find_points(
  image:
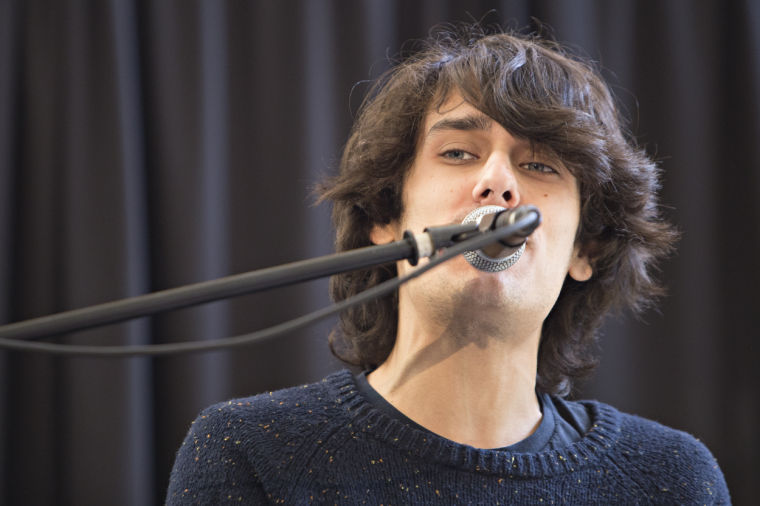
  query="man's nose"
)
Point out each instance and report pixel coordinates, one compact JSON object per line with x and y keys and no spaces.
{"x":497,"y":184}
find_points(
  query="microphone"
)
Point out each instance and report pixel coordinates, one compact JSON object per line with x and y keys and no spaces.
{"x":502,"y":254}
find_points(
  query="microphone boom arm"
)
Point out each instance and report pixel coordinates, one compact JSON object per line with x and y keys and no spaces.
{"x":411,"y":248}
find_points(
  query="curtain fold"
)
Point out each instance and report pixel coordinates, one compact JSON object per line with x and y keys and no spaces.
{"x":145,"y":145}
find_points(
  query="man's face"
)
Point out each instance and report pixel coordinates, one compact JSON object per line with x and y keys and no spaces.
{"x":465,"y":160}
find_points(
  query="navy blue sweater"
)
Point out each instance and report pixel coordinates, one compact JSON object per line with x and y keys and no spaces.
{"x":325,"y":443}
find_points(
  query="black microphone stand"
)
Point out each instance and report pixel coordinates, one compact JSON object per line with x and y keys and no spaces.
{"x":239,"y":284}
{"x":412,"y":247}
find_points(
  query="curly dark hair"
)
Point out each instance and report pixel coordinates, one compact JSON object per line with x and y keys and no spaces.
{"x":537,"y":91}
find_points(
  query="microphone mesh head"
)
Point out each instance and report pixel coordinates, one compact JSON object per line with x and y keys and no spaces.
{"x":480,"y":260}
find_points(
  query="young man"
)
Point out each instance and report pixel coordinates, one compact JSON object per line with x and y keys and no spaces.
{"x":461,"y":401}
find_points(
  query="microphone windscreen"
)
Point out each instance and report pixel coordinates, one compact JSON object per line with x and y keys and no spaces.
{"x":478,"y":258}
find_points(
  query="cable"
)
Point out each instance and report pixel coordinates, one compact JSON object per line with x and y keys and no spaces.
{"x":474,"y":243}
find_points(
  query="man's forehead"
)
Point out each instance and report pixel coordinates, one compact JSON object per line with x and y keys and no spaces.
{"x":456,"y":113}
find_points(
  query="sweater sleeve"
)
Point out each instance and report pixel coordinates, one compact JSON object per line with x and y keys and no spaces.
{"x":212,"y":466}
{"x":709,"y":484}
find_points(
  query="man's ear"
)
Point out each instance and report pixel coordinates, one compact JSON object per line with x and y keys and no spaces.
{"x":580,"y":264}
{"x":383,"y":234}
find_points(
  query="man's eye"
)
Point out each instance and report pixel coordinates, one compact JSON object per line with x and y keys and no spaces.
{"x":539,"y":167}
{"x":458,"y":155}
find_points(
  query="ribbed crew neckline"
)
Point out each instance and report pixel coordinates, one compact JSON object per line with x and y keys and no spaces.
{"x":535,"y":442}
{"x":366,"y":418}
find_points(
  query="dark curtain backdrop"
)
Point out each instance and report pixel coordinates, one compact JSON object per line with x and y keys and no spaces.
{"x":149,"y":144}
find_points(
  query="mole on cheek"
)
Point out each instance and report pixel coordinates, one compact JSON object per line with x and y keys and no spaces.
{"x":546,"y":194}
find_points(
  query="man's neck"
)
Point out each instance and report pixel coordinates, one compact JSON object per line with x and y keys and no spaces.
{"x":479,"y":392}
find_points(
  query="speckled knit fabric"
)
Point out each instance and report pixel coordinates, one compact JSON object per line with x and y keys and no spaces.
{"x":325,"y":443}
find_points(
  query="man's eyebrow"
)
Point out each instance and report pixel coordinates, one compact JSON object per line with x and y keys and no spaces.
{"x":466,"y":123}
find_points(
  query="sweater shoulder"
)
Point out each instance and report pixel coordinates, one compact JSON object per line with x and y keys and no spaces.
{"x":669,"y":463}
{"x":661,"y":441}
{"x":233,"y":448}
{"x":291,"y":412}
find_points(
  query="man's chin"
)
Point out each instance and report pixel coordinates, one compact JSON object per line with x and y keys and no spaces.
{"x":485,"y":290}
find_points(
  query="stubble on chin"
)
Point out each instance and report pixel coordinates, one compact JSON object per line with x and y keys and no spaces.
{"x":470,"y":314}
